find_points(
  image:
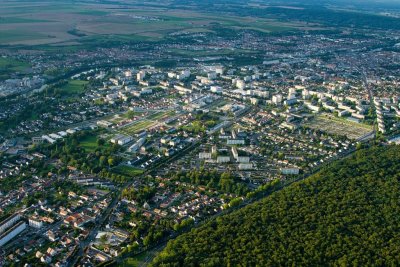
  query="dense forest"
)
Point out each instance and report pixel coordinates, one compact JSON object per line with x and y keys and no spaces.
{"x":348,"y":214}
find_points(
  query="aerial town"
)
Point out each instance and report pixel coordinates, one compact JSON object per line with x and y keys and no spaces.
{"x":146,"y":151}
{"x":114,"y":159}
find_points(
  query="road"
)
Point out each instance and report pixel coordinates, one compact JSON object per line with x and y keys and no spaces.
{"x":93,"y":232}
{"x":104,"y":217}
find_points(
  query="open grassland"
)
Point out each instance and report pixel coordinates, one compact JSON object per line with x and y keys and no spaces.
{"x":338,"y":126}
{"x":86,"y":23}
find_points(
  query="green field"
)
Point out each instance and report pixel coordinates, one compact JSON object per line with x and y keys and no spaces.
{"x":12,"y":64}
{"x":127,"y":170}
{"x":74,"y":87}
{"x":89,"y":143}
{"x":9,"y":65}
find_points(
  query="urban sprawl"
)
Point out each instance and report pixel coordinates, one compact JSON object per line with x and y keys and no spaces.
{"x":138,"y":154}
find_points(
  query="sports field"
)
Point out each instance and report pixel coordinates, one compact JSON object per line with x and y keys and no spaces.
{"x":338,"y":126}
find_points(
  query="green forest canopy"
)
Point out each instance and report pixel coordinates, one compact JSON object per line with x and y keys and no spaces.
{"x":347,"y":214}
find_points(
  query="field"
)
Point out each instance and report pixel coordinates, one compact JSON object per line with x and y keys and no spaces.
{"x":12,"y":64}
{"x":338,"y":126}
{"x":8,"y":66}
{"x":74,"y":87}
{"x":89,"y":143}
{"x":68,"y":22}
{"x":127,"y":170}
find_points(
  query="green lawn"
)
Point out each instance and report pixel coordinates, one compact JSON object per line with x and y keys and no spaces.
{"x":12,"y":64}
{"x":89,"y":143}
{"x":127,"y":170}
{"x":74,"y":87}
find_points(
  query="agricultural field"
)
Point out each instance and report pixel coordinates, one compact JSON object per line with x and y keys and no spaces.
{"x":338,"y":126}
{"x":85,"y":23}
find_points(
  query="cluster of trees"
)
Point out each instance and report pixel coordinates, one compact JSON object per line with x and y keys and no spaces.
{"x":58,"y":195}
{"x":202,"y":122}
{"x":346,"y":214}
{"x":28,"y":112}
{"x":99,"y":162}
{"x":146,"y":232}
{"x":183,"y":225}
{"x":225,"y":181}
{"x":140,"y":195}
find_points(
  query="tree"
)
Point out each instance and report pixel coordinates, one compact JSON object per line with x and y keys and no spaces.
{"x":111,"y":161}
{"x":100,"y":142}
{"x":103,"y":239}
{"x":131,"y":114}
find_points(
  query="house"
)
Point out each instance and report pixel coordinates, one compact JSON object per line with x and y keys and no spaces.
{"x":121,"y":139}
{"x":293,"y":171}
{"x":204,"y":155}
{"x":223,"y":159}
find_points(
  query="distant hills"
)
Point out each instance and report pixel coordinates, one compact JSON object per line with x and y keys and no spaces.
{"x":345,"y":215}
